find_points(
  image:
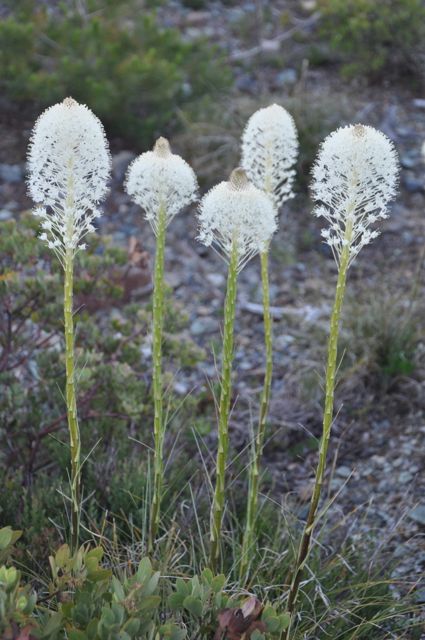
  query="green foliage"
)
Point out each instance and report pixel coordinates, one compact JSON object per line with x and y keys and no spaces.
{"x":96,"y":605}
{"x":385,"y":336}
{"x":376,"y":39}
{"x":16,"y":602}
{"x":199,"y":600}
{"x":133,"y":74}
{"x":112,"y":336}
{"x":8,"y":537}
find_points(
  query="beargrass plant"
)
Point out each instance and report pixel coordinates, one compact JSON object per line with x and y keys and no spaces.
{"x":69,"y":165}
{"x":354,"y":178}
{"x":238,"y":220}
{"x":162,"y":183}
{"x":269,"y":152}
{"x":88,"y":597}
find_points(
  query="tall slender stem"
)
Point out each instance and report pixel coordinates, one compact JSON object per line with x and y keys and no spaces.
{"x":305,"y":543}
{"x":254,"y":470}
{"x":71,"y":403}
{"x":158,"y":321}
{"x":225,"y":396}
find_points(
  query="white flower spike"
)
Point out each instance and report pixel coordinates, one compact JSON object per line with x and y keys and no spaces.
{"x":160,"y":178}
{"x":354,"y":178}
{"x":270,"y":150}
{"x":68,"y":170}
{"x":236,"y":211}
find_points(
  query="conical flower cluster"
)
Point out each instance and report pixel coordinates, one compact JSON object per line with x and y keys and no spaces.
{"x":269,"y":152}
{"x":354,"y":178}
{"x":237,"y":212}
{"x":159,"y":179}
{"x":68,"y":170}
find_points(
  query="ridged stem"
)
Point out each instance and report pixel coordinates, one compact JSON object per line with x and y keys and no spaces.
{"x":157,"y":327}
{"x":71,"y":403}
{"x":304,"y":548}
{"x":254,"y":469}
{"x":217,"y":508}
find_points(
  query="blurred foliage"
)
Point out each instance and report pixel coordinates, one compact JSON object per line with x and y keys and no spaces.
{"x":133,"y":74}
{"x":213,"y":140}
{"x":113,"y":356}
{"x":385,"y":333}
{"x":376,"y":39}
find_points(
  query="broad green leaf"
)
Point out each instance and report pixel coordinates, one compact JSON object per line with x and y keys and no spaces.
{"x":6,"y":535}
{"x":207,"y":576}
{"x":118,"y":589}
{"x":144,"y":570}
{"x":218,"y":583}
{"x":193,"y":605}
{"x":183,"y":587}
{"x":150,"y":602}
{"x":62,"y":556}
{"x":175,"y":601}
{"x":151,"y":586}
{"x":284,"y":620}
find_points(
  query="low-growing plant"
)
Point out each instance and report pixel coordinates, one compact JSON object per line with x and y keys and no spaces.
{"x":112,"y":55}
{"x":376,"y":39}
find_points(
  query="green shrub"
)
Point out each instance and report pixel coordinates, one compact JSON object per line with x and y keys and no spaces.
{"x":376,"y":39}
{"x":133,"y":74}
{"x":113,"y":384}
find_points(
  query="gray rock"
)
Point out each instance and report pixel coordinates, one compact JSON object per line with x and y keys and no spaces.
{"x":418,"y":514}
{"x":270,"y":46}
{"x":343,"y":471}
{"x":409,"y":161}
{"x":411,"y":183}
{"x":5,"y":214}
{"x":405,"y":477}
{"x":420,"y":595}
{"x":285,"y":78}
{"x":11,"y":173}
{"x":216,"y":279}
{"x":246,"y":83}
{"x":203,"y":325}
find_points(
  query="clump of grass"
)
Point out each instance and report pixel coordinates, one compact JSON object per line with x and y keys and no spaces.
{"x":384,"y":334}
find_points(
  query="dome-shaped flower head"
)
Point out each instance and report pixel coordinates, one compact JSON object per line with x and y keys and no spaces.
{"x":269,"y":152}
{"x":161,"y":180}
{"x":354,"y":178}
{"x":237,"y":212}
{"x":68,"y":170}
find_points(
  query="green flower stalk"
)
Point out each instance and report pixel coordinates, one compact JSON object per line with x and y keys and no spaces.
{"x":269,"y":151}
{"x":69,"y":167}
{"x":354,"y":178}
{"x":162,"y":183}
{"x":238,"y":220}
